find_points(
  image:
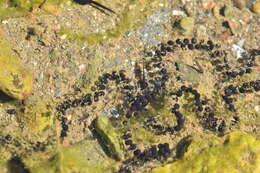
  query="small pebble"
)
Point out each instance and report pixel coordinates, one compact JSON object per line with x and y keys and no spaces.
{"x":256,"y":7}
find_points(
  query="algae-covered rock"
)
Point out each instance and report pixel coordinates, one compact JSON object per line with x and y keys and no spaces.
{"x":36,"y":115}
{"x":188,"y":72}
{"x":84,"y":157}
{"x":187,"y":24}
{"x":109,"y":136}
{"x":237,"y":152}
{"x":256,"y":8}
{"x":131,"y":17}
{"x":15,"y":79}
{"x":3,"y":167}
{"x":15,"y":8}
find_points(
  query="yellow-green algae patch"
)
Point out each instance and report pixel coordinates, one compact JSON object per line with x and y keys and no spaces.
{"x":36,"y":115}
{"x":133,"y":16}
{"x":110,"y":137}
{"x":16,"y":8}
{"x":237,"y":152}
{"x":84,"y":157}
{"x":15,"y":79}
{"x":92,"y":72}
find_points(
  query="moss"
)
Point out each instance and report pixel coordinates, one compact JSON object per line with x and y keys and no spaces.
{"x":110,"y":137}
{"x":15,"y":79}
{"x":234,"y":153}
{"x":133,"y":16}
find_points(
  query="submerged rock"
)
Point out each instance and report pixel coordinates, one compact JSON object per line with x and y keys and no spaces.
{"x":188,"y":73}
{"x":84,"y":157}
{"x":236,"y":152}
{"x":109,"y":137}
{"x":256,"y":8}
{"x":15,"y":8}
{"x":15,"y":79}
{"x":187,"y":24}
{"x":36,"y":115}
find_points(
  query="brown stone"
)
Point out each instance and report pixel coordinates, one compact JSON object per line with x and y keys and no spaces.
{"x":225,"y":35}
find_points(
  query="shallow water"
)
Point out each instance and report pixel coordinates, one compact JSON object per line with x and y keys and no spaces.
{"x":162,"y":75}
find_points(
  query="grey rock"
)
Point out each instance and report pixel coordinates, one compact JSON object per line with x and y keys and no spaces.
{"x":153,"y":28}
{"x":188,"y":73}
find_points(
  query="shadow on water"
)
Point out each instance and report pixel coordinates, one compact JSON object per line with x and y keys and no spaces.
{"x":182,"y":146}
{"x":96,"y":5}
{"x":15,"y":165}
{"x":5,"y":98}
{"x":102,"y":143}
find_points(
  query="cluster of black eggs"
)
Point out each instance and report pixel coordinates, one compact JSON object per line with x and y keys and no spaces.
{"x":64,"y":127}
{"x":211,"y":122}
{"x":129,"y":142}
{"x":220,"y":62}
{"x":98,"y":91}
{"x":231,"y":90}
{"x":156,"y":80}
{"x":162,"y":130}
{"x":154,"y":152}
{"x":208,"y":118}
{"x":151,"y":85}
{"x":222,"y":66}
{"x":192,"y":44}
{"x":11,"y":111}
{"x":87,"y":99}
{"x":6,"y":140}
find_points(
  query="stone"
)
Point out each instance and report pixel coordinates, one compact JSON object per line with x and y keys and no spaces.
{"x":256,"y":7}
{"x":109,"y":136}
{"x":240,"y":4}
{"x":36,"y":115}
{"x":237,"y":152}
{"x":234,"y":26}
{"x":15,"y":78}
{"x":187,"y":24}
{"x":86,"y":156}
{"x":208,"y":4}
{"x":188,"y":72}
{"x":231,"y":12}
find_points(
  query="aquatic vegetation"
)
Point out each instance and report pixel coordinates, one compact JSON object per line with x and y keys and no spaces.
{"x":235,"y":152}
{"x":83,"y":157}
{"x":36,"y":115}
{"x":15,"y":80}
{"x":166,"y":103}
{"x":133,"y":16}
{"x":109,"y":137}
{"x":16,"y":8}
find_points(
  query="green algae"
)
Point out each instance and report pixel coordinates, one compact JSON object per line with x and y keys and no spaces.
{"x":110,"y":137}
{"x":234,"y":153}
{"x":15,"y":79}
{"x":132,"y":17}
{"x":16,"y":8}
{"x":84,"y":157}
{"x":92,"y":72}
{"x":36,"y":115}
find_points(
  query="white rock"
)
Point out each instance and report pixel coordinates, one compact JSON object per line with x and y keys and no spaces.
{"x":237,"y":49}
{"x":178,"y":13}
